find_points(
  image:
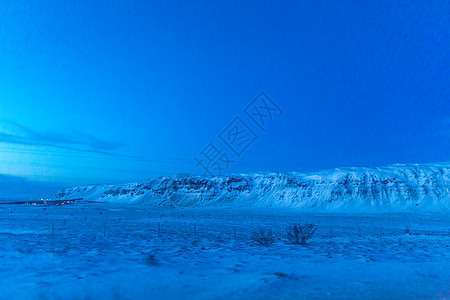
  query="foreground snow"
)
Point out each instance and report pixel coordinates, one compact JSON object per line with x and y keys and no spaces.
{"x":111,"y":251}
{"x":397,"y":187}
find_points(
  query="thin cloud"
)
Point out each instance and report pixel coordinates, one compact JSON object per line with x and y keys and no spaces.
{"x":14,"y":133}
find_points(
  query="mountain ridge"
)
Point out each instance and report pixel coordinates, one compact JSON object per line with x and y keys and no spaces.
{"x":399,"y":186}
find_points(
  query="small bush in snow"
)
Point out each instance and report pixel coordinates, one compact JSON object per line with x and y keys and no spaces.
{"x":407,"y":231}
{"x":151,"y":260}
{"x":298,"y":234}
{"x":284,"y":275}
{"x":264,"y":237}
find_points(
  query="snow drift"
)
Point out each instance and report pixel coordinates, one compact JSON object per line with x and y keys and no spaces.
{"x":391,"y":187}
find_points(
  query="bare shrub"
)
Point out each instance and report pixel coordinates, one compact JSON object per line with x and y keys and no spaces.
{"x":151,"y":260}
{"x":264,"y":237}
{"x":298,"y":234}
{"x":284,"y":275}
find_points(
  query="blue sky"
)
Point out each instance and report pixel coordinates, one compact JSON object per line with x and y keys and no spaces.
{"x":108,"y":91}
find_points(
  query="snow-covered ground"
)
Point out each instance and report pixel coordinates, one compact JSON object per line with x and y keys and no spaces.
{"x":118,"y":251}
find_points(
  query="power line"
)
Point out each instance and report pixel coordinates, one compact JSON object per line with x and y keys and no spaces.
{"x":74,"y":180}
{"x":142,"y":159}
{"x":160,"y":160}
{"x":45,"y":165}
{"x":100,"y":156}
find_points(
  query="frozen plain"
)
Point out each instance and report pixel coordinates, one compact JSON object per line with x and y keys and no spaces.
{"x":126,"y":251}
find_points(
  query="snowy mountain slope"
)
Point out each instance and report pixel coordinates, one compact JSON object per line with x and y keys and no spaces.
{"x":391,"y":187}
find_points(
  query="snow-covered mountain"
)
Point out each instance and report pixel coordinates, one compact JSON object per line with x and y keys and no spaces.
{"x":391,"y":187}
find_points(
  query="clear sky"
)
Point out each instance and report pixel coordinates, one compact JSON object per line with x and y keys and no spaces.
{"x":108,"y":91}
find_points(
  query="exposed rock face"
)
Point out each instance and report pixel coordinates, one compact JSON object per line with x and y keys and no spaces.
{"x":392,"y":187}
